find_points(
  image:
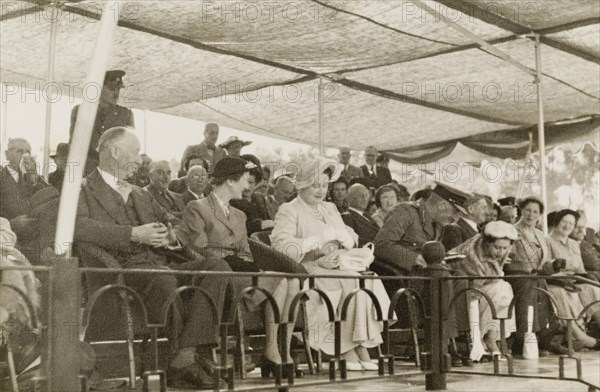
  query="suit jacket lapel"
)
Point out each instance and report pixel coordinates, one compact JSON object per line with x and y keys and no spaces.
{"x":220,"y":214}
{"x":105,"y":195}
{"x":466,"y":226}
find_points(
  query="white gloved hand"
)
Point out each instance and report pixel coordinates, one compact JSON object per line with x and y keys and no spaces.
{"x":320,"y":241}
{"x":267,"y":224}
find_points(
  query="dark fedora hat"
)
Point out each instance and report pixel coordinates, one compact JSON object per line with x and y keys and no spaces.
{"x":62,"y":150}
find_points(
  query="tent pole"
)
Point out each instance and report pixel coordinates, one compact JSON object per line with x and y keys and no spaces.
{"x":541,"y":138}
{"x":82,"y":135}
{"x":49,"y":81}
{"x":527,"y":162}
{"x":145,"y":131}
{"x":321,"y":148}
{"x":3,"y":119}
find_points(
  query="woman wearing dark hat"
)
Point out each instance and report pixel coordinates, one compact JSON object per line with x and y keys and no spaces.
{"x":486,"y":255}
{"x":215,"y":227}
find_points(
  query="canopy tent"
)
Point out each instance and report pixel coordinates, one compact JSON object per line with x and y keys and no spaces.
{"x":394,"y":76}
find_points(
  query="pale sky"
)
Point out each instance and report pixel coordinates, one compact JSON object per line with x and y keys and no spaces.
{"x":167,"y":136}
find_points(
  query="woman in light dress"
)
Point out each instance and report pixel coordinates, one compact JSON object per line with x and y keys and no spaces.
{"x":311,"y":231}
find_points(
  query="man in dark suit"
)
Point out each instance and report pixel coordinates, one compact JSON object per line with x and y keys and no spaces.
{"x":159,"y":173}
{"x":378,"y":175}
{"x":121,"y":225}
{"x":19,"y":181}
{"x":206,"y":149}
{"x":196,"y":181}
{"x":109,"y":115}
{"x":349,"y":171}
{"x":467,"y":225}
{"x":253,"y":204}
{"x":60,"y":158}
{"x":283,"y":192}
{"x":354,"y":217}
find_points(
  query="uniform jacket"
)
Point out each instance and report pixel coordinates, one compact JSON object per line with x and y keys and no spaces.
{"x":456,"y":233}
{"x":108,"y":116}
{"x":406,"y":228}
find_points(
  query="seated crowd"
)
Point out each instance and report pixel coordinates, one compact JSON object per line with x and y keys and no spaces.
{"x":138,"y":216}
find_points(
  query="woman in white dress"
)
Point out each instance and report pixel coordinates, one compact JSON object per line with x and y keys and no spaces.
{"x":311,"y":231}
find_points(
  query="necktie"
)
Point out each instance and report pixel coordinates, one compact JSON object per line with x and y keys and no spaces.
{"x":169,"y":200}
{"x":226,"y":210}
{"x":124,"y":189}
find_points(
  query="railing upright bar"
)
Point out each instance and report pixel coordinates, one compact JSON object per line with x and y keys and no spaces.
{"x":438,"y":344}
{"x":64,"y":327}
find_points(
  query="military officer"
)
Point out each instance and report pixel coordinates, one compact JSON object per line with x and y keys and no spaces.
{"x":109,"y":115}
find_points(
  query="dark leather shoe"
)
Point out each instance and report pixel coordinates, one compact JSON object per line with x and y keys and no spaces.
{"x":189,"y":377}
{"x":456,"y":360}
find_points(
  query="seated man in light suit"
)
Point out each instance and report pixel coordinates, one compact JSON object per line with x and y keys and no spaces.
{"x":120,"y":225}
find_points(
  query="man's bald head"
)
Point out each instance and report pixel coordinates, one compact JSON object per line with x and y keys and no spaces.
{"x":197,"y":179}
{"x":119,"y":151}
{"x":358,"y":197}
{"x":160,"y":174}
{"x":17,"y":147}
{"x":344,"y":155}
{"x":371,"y":154}
{"x":284,"y":189}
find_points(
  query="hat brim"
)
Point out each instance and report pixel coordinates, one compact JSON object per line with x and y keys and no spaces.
{"x":244,"y":144}
{"x":306,"y":182}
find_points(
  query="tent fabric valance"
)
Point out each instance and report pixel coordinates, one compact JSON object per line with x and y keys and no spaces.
{"x":509,"y":143}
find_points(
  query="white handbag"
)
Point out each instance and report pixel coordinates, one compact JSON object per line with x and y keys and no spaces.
{"x":357,"y":259}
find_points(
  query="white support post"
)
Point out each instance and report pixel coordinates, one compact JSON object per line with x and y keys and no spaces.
{"x":321,"y":118}
{"x":541,"y":137}
{"x":49,"y":81}
{"x":4,"y":118}
{"x":82,"y":135}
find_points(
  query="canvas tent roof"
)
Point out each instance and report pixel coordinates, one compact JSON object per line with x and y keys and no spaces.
{"x":395,"y":76}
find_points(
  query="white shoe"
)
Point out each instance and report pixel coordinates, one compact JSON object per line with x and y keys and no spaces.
{"x":368,"y":365}
{"x":354,"y":367}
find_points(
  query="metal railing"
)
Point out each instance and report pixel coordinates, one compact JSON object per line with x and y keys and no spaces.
{"x":62,"y":325}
